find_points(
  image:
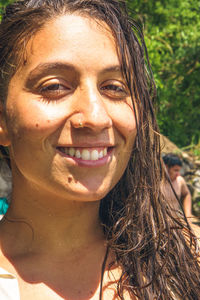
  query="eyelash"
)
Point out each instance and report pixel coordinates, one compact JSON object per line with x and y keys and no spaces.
{"x":56,"y":91}
{"x":115,"y":91}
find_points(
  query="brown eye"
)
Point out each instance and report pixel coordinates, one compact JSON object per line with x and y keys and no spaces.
{"x":54,"y":91}
{"x":113,"y":87}
{"x":116,"y":91}
{"x":53,"y":87}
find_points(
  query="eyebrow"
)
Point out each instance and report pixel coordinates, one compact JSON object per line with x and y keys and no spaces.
{"x":113,"y":69}
{"x":45,"y":68}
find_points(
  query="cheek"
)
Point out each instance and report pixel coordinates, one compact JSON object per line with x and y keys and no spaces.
{"x":125,"y":122}
{"x":36,"y":119}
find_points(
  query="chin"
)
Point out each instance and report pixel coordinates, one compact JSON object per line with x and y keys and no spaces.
{"x":92,"y":190}
{"x":91,"y":196}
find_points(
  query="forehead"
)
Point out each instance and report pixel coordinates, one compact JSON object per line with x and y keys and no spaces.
{"x":72,"y":37}
{"x":176,"y":168}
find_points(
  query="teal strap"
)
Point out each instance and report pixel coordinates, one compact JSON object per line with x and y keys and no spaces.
{"x":3,"y":206}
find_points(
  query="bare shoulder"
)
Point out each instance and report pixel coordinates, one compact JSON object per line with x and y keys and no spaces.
{"x":181,"y":180}
{"x":183,"y":185}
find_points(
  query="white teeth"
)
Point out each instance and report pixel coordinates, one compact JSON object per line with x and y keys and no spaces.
{"x":85,"y":155}
{"x":78,"y":154}
{"x":101,"y":154}
{"x":71,"y":151}
{"x":94,"y":155}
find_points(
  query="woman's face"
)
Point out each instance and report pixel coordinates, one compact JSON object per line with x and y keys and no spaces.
{"x":70,"y":122}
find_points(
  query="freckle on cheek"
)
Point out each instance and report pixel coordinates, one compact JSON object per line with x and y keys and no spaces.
{"x":37,"y":125}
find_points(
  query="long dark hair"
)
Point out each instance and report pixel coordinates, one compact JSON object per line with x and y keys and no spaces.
{"x":154,"y":247}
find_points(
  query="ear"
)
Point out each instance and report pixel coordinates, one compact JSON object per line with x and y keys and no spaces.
{"x":4,"y":137}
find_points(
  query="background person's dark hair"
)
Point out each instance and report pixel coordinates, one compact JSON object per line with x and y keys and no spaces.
{"x":171,"y":160}
{"x":140,"y":228}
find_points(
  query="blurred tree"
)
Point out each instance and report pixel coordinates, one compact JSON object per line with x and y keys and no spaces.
{"x":3,"y":3}
{"x":172,"y":34}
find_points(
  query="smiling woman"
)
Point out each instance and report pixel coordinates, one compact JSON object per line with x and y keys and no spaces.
{"x":87,"y":219}
{"x":67,"y":80}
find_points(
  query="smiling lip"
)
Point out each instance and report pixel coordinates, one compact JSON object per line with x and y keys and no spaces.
{"x":87,"y":156}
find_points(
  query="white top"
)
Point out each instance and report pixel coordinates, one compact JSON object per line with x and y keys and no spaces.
{"x":9,"y":289}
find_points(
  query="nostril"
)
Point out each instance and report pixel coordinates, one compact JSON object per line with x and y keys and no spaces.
{"x":88,"y":119}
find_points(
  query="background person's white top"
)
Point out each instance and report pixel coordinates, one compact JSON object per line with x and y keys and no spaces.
{"x":9,"y":289}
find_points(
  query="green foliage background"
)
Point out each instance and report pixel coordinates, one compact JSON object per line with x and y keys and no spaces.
{"x":172,"y":34}
{"x":4,"y":2}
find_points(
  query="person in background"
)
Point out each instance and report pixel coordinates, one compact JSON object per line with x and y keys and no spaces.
{"x":174,"y":165}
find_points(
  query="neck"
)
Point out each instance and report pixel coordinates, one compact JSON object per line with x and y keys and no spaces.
{"x":46,"y":223}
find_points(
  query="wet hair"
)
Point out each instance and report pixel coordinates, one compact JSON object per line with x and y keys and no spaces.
{"x":155,"y":250}
{"x":172,"y":160}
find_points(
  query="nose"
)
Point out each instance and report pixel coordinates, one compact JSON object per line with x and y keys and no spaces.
{"x":90,"y":110}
